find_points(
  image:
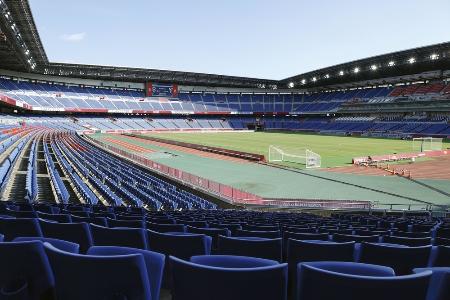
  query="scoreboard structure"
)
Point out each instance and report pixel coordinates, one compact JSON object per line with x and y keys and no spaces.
{"x":153,"y":89}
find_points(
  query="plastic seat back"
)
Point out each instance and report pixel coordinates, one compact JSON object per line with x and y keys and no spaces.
{"x":154,"y":263}
{"x":60,"y":244}
{"x":262,"y":234}
{"x":402,"y":259}
{"x":63,"y":218}
{"x":340,"y":238}
{"x":413,"y":242}
{"x":316,"y":283}
{"x":439,"y":287}
{"x":166,"y":227}
{"x":183,"y":246}
{"x":126,"y":223}
{"x":79,"y":233}
{"x":12,"y":228}
{"x":25,"y":272}
{"x":98,"y":277}
{"x":255,"y":247}
{"x":220,"y":278}
{"x":442,"y":257}
{"x":307,"y":251}
{"x":125,"y":237}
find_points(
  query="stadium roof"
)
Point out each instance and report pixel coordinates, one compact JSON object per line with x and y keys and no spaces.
{"x":21,"y":49}
{"x":20,"y":45}
{"x":407,"y":62}
{"x":143,"y":75}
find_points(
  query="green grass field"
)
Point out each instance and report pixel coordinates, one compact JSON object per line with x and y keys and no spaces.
{"x":275,"y":183}
{"x":334,"y":150}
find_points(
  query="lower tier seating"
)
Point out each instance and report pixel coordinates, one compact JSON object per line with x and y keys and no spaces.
{"x":63,"y":257}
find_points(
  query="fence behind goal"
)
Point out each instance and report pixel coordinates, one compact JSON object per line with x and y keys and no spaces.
{"x":426,"y":144}
{"x":302,"y":156}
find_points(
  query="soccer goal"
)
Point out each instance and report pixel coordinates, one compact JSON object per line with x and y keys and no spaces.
{"x":426,"y":144}
{"x":298,"y":156}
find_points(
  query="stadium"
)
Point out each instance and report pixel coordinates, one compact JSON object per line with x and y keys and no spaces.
{"x":134,"y":183}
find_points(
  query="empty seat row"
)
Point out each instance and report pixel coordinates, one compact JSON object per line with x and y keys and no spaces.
{"x":127,"y":273}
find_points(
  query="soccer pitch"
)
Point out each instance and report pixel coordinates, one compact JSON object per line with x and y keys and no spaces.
{"x":334,"y":150}
{"x":275,"y":183}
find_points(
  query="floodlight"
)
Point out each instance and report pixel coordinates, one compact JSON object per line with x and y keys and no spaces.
{"x":291,"y":85}
{"x":373,"y":67}
{"x":314,"y":79}
{"x":303,"y":81}
{"x":434,"y":56}
{"x":327,"y":76}
{"x":356,"y":70}
{"x":391,"y":63}
{"x":412,"y":60}
{"x":341,"y":73}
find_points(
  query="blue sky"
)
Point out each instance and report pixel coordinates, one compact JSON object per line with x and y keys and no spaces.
{"x":255,"y":38}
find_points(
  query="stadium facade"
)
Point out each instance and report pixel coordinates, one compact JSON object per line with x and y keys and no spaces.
{"x":404,"y":93}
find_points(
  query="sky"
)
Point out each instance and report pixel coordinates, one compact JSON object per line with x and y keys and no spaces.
{"x":272,"y":39}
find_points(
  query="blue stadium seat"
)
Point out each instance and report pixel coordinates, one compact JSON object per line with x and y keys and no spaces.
{"x":250,"y":246}
{"x":12,"y":228}
{"x":125,"y":237}
{"x":340,"y":238}
{"x":126,"y":223}
{"x":262,"y":234}
{"x":212,"y":232}
{"x":166,"y":227}
{"x":183,"y":246}
{"x":441,"y":257}
{"x":439,"y":286}
{"x":99,"y":277}
{"x":402,"y":259}
{"x":251,"y":227}
{"x":307,"y":251}
{"x":228,"y":277}
{"x":101,"y":221}
{"x":79,"y":233}
{"x":25,"y":271}
{"x":413,"y":242}
{"x":154,"y":263}
{"x":231,"y":227}
{"x":326,"y":280}
{"x":57,"y":243}
{"x":441,"y":241}
{"x":62,"y":218}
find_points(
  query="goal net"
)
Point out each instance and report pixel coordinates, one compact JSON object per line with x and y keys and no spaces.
{"x":427,"y":144}
{"x":298,"y":156}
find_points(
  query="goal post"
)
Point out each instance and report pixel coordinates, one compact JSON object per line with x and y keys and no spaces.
{"x":423,"y":144}
{"x":295,"y":155}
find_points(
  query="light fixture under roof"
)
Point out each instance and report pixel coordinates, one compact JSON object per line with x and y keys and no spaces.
{"x":412,"y":60}
{"x":314,"y":79}
{"x":434,"y":56}
{"x":303,"y":81}
{"x":373,"y":67}
{"x":291,"y":85}
{"x":391,"y":63}
{"x":327,"y":76}
{"x":356,"y":70}
{"x":341,"y":73}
